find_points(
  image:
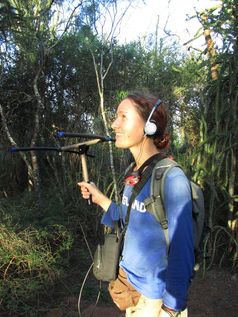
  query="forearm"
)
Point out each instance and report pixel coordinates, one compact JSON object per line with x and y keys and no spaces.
{"x":181,"y":251}
{"x":178,"y":278}
{"x":104,"y":202}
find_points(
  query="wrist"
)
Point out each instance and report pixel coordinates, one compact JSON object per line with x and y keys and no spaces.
{"x":104,"y":202}
{"x":169,"y":311}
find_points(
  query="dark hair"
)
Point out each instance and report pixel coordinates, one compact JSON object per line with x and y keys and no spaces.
{"x":144,"y":102}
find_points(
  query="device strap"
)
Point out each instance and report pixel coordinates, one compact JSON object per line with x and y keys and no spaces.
{"x":146,"y":171}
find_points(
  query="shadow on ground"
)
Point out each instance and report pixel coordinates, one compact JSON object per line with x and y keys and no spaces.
{"x":214,"y":295}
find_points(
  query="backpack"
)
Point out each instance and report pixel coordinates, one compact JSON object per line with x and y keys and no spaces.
{"x":154,"y":204}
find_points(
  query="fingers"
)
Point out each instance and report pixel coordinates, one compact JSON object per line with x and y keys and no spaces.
{"x":85,"y":189}
{"x":90,"y":190}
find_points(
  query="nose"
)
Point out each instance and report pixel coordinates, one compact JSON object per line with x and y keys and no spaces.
{"x":114,"y":124}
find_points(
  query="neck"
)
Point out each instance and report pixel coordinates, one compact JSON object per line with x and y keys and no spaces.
{"x":144,"y":151}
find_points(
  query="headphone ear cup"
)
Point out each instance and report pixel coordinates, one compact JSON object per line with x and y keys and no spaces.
{"x":150,"y":128}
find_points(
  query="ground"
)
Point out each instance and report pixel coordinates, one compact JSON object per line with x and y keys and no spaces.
{"x":214,"y":295}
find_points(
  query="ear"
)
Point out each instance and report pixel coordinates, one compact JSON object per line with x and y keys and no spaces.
{"x":150,"y":128}
{"x":150,"y":125}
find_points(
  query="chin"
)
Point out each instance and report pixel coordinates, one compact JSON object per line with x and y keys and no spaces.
{"x":120,"y":145}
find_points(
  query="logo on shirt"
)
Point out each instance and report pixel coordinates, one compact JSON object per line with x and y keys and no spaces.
{"x":136,"y":205}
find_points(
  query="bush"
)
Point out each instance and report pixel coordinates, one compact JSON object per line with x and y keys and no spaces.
{"x":29,"y":265}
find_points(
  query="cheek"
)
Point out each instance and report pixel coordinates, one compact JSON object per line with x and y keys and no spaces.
{"x":136,"y":132}
{"x":138,"y":127}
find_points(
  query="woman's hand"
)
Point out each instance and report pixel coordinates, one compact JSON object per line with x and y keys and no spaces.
{"x":163,"y":313}
{"x":168,"y":312}
{"x":90,"y":189}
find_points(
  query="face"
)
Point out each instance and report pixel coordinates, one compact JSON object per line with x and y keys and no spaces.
{"x":128,"y":126}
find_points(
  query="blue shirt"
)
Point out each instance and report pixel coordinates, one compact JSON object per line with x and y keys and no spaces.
{"x":144,"y":258}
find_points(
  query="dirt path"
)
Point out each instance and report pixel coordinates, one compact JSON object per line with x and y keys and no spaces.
{"x":212,"y":296}
{"x":215,"y":295}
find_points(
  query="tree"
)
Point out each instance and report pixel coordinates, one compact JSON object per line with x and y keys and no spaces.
{"x":29,"y":37}
{"x":102,"y":55}
{"x":216,"y":157}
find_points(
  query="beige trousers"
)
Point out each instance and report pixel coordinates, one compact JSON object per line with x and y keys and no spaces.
{"x":147,"y":307}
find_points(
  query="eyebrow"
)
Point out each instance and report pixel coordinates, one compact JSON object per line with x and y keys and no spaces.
{"x":122,"y":111}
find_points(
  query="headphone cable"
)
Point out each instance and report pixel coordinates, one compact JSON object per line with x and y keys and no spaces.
{"x":140,"y":152}
{"x":86,"y":276}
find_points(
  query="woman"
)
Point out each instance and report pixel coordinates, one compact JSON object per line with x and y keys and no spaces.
{"x":160,"y":279}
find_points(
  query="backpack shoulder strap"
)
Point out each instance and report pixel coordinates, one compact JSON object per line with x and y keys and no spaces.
{"x":167,"y":165}
{"x":154,"y":203}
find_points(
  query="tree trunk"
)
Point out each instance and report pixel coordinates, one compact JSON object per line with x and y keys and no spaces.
{"x":100,"y":76}
{"x":115,"y":187}
{"x":211,"y":52}
{"x":34,"y":159}
{"x":14,"y":144}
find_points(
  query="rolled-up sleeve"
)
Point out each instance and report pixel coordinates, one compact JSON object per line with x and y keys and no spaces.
{"x":112,"y":214}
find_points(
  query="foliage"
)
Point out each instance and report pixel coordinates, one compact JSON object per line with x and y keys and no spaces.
{"x":30,"y":262}
{"x":219,"y":101}
{"x":48,"y":83}
{"x":220,"y":247}
{"x":215,"y":159}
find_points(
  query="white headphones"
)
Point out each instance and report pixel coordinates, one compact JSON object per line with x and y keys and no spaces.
{"x":150,"y":128}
